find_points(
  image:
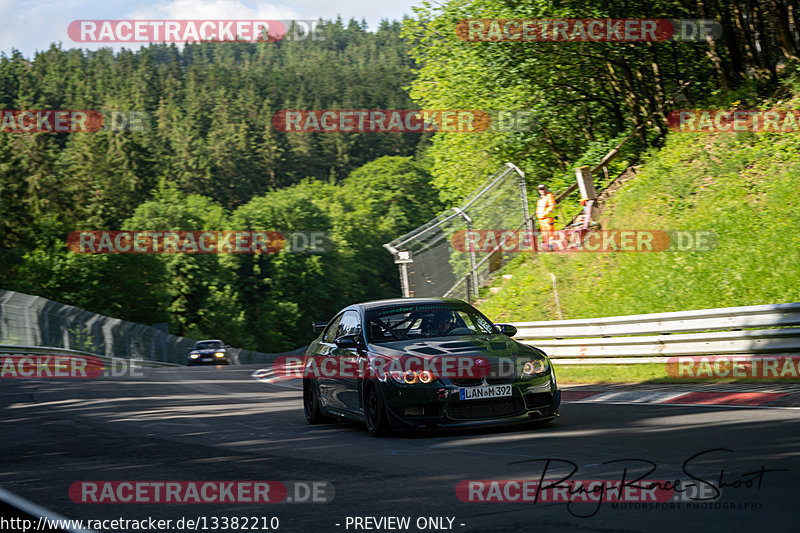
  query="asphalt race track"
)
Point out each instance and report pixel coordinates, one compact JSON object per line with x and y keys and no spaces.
{"x":221,"y":424}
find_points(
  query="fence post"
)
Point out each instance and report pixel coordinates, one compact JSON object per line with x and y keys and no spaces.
{"x":402,"y":258}
{"x":523,"y":193}
{"x":404,"y":280}
{"x":583,"y":176}
{"x":473,"y":264}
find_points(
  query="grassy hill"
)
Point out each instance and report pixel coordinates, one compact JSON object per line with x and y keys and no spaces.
{"x":745,"y":187}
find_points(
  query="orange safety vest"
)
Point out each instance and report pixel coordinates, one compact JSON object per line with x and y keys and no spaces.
{"x":545,"y":206}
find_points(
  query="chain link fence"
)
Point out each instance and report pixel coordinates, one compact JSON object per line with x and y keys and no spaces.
{"x":27,"y":320}
{"x":439,"y":259}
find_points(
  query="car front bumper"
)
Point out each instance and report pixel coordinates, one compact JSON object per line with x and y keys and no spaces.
{"x":439,"y":404}
{"x":207,"y":360}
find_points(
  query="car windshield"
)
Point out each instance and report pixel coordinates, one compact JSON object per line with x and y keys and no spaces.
{"x":208,"y":345}
{"x":425,"y":321}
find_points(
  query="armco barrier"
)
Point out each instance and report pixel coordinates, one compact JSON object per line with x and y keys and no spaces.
{"x":33,"y":321}
{"x":653,"y":338}
{"x":14,"y":349}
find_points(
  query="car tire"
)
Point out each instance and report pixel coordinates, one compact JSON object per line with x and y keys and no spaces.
{"x":375,"y":415}
{"x":311,"y":406}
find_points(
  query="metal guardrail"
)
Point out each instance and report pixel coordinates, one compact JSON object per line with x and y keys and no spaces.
{"x":31,"y":320}
{"x":649,"y":338}
{"x":14,"y":349}
{"x":656,"y":337}
{"x":238,"y":355}
{"x":34,"y":321}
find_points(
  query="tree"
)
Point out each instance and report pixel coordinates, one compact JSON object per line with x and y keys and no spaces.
{"x":191,"y":281}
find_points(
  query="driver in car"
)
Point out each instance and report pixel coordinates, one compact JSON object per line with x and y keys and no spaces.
{"x":443,"y":323}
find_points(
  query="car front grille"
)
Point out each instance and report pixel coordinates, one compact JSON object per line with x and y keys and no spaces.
{"x":496,"y":376}
{"x":472,"y":409}
{"x":466,"y":382}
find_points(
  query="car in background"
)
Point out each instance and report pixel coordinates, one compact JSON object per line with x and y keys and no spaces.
{"x":423,"y":362}
{"x":208,"y":352}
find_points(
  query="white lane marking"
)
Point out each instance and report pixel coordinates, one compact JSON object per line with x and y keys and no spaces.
{"x":634,"y":396}
{"x":268,"y":375}
{"x":491,"y":439}
{"x":729,"y":405}
{"x":191,"y":424}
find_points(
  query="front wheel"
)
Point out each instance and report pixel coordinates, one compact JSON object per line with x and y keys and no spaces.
{"x":375,"y":415}
{"x":311,"y":407}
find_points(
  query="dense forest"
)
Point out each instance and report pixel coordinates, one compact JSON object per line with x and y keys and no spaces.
{"x":587,"y":96}
{"x":209,"y":157}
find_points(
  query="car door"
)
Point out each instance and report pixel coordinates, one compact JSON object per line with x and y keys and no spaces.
{"x":325,"y":360}
{"x":345,"y":382}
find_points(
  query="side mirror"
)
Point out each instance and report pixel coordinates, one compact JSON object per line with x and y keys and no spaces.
{"x":507,"y":329}
{"x":347,"y":342}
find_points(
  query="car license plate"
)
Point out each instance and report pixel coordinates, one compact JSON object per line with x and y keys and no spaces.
{"x":482,"y":393}
{"x":207,"y":359}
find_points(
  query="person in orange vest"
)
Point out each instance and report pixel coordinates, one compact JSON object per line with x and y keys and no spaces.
{"x":545,"y":213}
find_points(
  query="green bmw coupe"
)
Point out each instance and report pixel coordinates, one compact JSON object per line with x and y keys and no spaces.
{"x":424,"y":362}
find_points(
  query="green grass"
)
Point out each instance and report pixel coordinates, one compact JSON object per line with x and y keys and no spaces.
{"x":639,"y":373}
{"x":744,"y":187}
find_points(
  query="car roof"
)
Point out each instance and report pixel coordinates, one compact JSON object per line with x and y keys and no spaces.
{"x":208,"y":340}
{"x":405,"y":301}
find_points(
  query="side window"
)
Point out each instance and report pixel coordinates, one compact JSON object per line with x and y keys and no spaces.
{"x":350,"y":324}
{"x":464,"y":321}
{"x":330,"y":333}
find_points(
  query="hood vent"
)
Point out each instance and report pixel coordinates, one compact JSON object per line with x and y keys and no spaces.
{"x":428,"y":351}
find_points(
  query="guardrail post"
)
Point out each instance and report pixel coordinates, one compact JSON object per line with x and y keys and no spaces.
{"x":473,"y":264}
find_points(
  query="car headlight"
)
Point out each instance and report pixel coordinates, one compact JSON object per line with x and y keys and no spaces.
{"x":219,"y":354}
{"x":194,"y":355}
{"x":537,"y":366}
{"x":410,"y":377}
{"x":426,"y":376}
